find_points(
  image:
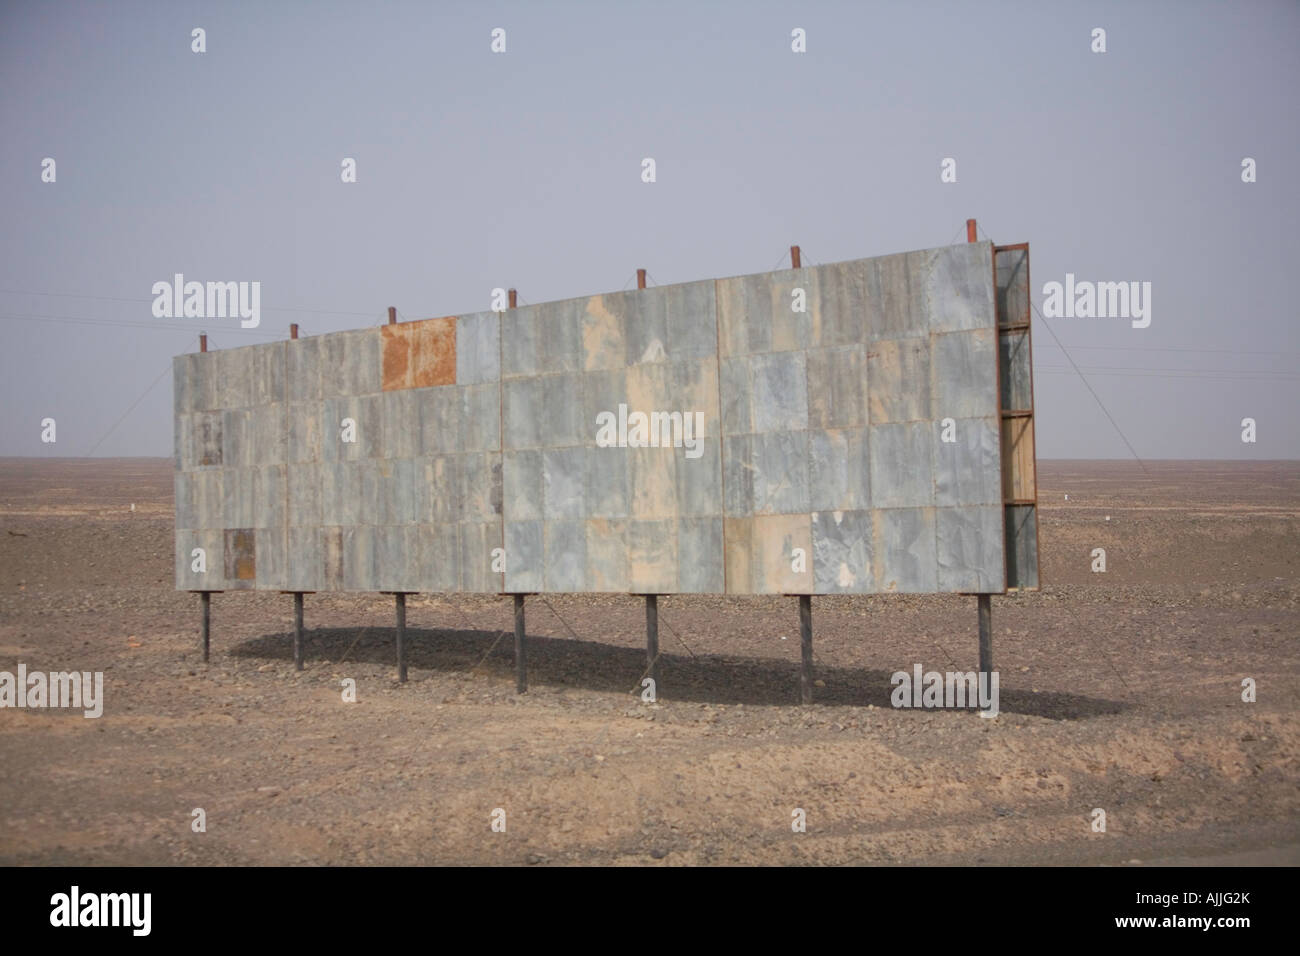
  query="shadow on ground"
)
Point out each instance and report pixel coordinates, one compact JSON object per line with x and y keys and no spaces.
{"x":564,"y":662}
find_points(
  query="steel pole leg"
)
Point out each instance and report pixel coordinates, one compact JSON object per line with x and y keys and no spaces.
{"x":205,"y":599}
{"x":401,"y":636}
{"x":521,"y":658}
{"x":805,"y":649}
{"x":986,"y":634}
{"x":297,"y":631}
{"x":652,"y":639}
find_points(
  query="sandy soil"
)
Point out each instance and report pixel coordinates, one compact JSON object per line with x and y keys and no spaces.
{"x":1120,"y":691}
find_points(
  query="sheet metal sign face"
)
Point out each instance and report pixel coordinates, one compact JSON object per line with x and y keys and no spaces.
{"x":860,"y":427}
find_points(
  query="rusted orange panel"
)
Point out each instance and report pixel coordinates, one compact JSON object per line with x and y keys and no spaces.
{"x":419,"y":354}
{"x":241,"y":554}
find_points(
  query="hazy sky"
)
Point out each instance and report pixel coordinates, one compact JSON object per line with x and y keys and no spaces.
{"x":478,"y":169}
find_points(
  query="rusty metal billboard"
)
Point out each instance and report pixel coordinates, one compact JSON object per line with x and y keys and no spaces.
{"x":859,"y":427}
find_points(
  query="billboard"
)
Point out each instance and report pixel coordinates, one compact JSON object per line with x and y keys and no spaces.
{"x":859,"y":427}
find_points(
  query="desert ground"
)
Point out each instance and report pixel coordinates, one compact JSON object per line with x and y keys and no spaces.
{"x":1120,"y":690}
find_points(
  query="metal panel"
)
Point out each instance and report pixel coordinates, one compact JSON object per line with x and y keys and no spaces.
{"x":235,"y":452}
{"x":240,"y":554}
{"x":270,"y":494}
{"x":266,"y":434}
{"x":766,"y":474}
{"x":478,"y":348}
{"x":397,"y":565}
{"x":964,"y":372}
{"x":440,"y":557}
{"x":481,"y":491}
{"x":699,"y":480}
{"x":272,"y":558}
{"x":440,"y":426}
{"x":187,"y":579}
{"x":607,"y":493}
{"x":839,"y":470}
{"x":841,"y":552}
{"x":896,"y":296}
{"x":756,"y":313}
{"x":737,"y":396}
{"x":603,"y":391}
{"x":559,"y":334}
{"x":966,"y":469}
{"x":780,"y":392}
{"x":525,"y":556}
{"x":837,"y":387}
{"x":234,"y":371}
{"x":700,"y":555}
{"x":970,"y":549}
{"x":522,"y":474}
{"x":481,"y":550}
{"x":340,"y":491}
{"x":604,"y":342}
{"x":775,"y":566}
{"x":519,"y":346}
{"x":1017,"y":385}
{"x":306,"y":570}
{"x":566,"y":556}
{"x":1022,"y":546}
{"x":211,"y":577}
{"x":182,"y":441}
{"x":303,"y":427}
{"x":187,"y":383}
{"x":522,"y":413}
{"x":304,"y":504}
{"x":401,"y":416}
{"x":904,"y":549}
{"x":368,"y":410}
{"x":898,"y":381}
{"x":901,"y":475}
{"x":342,"y":426}
{"x":200,"y":499}
{"x":1018,"y":474}
{"x":439,"y":490}
{"x":693,"y":389}
{"x":419,"y":354}
{"x":350,"y":363}
{"x":390,"y":485}
{"x":208,"y":442}
{"x":331,"y":548}
{"x":738,"y":553}
{"x":844,"y":303}
{"x":267,"y":384}
{"x":652,"y":482}
{"x":480,"y":417}
{"x":958,"y":291}
{"x":607,"y":554}
{"x":303,"y":369}
{"x":563,"y":482}
{"x":239,"y":498}
{"x":189,"y":507}
{"x":652,"y":555}
{"x":561,"y":411}
{"x":1013,"y":293}
{"x":645,"y":324}
{"x":359,"y":571}
{"x":691,"y":316}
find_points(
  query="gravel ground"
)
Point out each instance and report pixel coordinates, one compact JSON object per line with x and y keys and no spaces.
{"x":1119,"y":691}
